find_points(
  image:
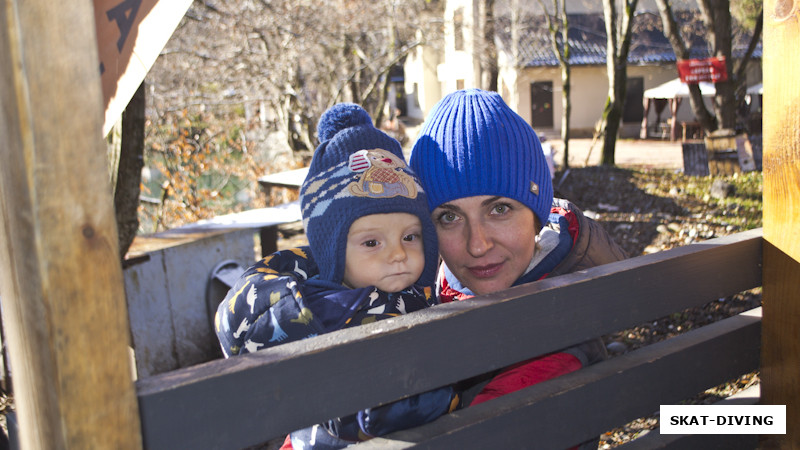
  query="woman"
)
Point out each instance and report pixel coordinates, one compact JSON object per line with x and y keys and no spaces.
{"x":491,"y":196}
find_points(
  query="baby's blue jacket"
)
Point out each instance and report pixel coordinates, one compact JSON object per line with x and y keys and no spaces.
{"x":280,"y":299}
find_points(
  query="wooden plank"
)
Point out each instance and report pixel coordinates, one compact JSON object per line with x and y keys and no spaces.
{"x":723,"y":158}
{"x":654,"y":439}
{"x":288,"y":179}
{"x":780,"y":369}
{"x":744,"y":149}
{"x":220,"y":398}
{"x":252,"y":219}
{"x":171,"y":326}
{"x":695,"y":158}
{"x":63,"y":302}
{"x":781,"y":166}
{"x":130,"y":36}
{"x":579,"y":406}
{"x":781,"y":149}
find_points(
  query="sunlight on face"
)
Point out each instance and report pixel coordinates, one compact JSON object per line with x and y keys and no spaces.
{"x":486,"y":241}
{"x":385,"y":251}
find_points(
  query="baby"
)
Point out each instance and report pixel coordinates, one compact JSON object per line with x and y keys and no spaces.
{"x":372,"y":255}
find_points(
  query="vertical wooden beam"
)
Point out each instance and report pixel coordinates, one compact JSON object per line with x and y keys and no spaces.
{"x":781,"y":165}
{"x":61,"y":278}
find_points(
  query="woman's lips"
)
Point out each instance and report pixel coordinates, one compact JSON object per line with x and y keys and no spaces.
{"x":486,"y":271}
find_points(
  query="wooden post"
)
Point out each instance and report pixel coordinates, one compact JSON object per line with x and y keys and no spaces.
{"x":781,"y":164}
{"x":723,"y":159}
{"x":61,"y":278}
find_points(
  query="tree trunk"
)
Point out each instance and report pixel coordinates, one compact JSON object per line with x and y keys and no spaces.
{"x":566,"y":85}
{"x":129,"y":176}
{"x":717,"y":16}
{"x":488,"y":60}
{"x":611,"y":117}
{"x":558,"y":23}
{"x":618,"y":30}
{"x":672,"y":31}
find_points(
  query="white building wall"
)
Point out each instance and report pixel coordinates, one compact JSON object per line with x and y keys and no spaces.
{"x":459,"y":68}
{"x":589,"y":94}
{"x":422,"y":85}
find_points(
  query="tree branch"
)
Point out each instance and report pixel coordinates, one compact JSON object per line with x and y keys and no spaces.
{"x":742,"y":65}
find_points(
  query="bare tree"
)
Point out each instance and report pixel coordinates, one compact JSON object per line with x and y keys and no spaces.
{"x":558,"y":27}
{"x":716,"y":15}
{"x":129,"y":174}
{"x":618,"y":34}
{"x":487,"y":49}
{"x":296,"y":58}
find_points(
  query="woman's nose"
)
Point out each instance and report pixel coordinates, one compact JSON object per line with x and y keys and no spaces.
{"x":478,"y":241}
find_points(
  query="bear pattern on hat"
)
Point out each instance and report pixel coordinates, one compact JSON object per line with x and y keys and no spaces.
{"x":381,"y":175}
{"x":374,"y":173}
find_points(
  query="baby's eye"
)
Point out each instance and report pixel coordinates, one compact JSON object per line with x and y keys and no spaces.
{"x":411,"y":237}
{"x":370,"y":243}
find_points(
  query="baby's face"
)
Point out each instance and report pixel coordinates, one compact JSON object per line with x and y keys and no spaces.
{"x":385,"y":251}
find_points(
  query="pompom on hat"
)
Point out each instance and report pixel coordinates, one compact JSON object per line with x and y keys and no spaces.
{"x":358,"y":170}
{"x":473,"y":144}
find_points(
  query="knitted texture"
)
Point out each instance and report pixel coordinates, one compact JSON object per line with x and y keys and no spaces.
{"x":358,"y":170}
{"x":473,"y":144}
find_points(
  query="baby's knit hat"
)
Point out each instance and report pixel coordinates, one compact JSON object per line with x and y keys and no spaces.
{"x":358,"y":170}
{"x":472,"y":144}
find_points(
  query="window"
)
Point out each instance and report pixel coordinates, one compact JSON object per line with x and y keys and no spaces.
{"x":542,"y":104}
{"x":634,"y":95}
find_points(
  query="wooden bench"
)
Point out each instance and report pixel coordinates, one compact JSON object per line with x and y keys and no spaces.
{"x":175,"y":279}
{"x":249,"y":399}
{"x":290,"y":179}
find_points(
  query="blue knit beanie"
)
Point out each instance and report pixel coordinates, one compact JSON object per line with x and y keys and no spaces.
{"x":358,"y":170}
{"x":472,"y":144}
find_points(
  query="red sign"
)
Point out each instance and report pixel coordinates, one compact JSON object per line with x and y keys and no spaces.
{"x":697,"y":70}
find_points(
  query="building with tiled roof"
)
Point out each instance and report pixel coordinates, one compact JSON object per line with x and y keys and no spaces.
{"x":531,"y":82}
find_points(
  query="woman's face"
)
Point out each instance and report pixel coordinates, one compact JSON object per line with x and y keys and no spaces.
{"x":486,"y":241}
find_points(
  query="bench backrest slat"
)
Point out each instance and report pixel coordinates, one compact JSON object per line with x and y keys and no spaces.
{"x":301,"y":383}
{"x":581,"y":405}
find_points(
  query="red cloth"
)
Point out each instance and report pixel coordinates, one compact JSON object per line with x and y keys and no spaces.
{"x":449,"y":294}
{"x":287,"y":444}
{"x":527,"y":373}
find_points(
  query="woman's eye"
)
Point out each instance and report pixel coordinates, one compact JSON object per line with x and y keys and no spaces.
{"x":447,"y":217}
{"x":501,"y":208}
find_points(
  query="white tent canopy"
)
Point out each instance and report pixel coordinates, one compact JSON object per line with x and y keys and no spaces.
{"x":756,"y":89}
{"x":674,"y":91}
{"x":675,"y":88}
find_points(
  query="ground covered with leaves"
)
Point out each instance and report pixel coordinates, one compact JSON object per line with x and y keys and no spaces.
{"x":648,"y":211}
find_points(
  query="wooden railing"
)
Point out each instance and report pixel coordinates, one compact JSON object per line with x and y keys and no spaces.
{"x":256,"y":397}
{"x":65,"y":313}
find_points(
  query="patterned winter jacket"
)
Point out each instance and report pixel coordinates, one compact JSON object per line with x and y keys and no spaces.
{"x":280,"y":299}
{"x":573,"y":243}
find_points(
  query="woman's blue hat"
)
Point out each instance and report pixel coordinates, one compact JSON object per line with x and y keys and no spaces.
{"x":358,"y":170}
{"x":473,"y":144}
